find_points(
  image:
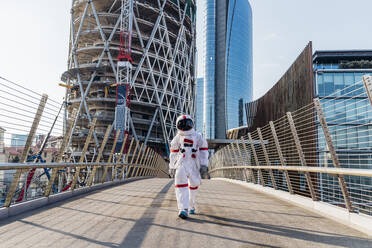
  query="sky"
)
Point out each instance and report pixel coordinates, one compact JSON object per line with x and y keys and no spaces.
{"x":34,"y":37}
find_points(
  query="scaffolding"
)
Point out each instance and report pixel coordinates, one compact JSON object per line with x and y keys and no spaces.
{"x":160,"y":41}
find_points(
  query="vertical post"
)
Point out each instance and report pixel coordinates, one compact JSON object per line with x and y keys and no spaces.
{"x":66,"y":138}
{"x":126,"y":158}
{"x":119,"y":158}
{"x":336,"y":162}
{"x":248,"y":160}
{"x":301,"y":154}
{"x":229,"y":151}
{"x":241,"y":161}
{"x":137,"y":159}
{"x":26,"y":149}
{"x":153,"y":164}
{"x":132,"y":160}
{"x":367,"y":81}
{"x":148,"y":162}
{"x":158,"y":164}
{"x":85,"y":148}
{"x":256,"y":159}
{"x":225,"y":160}
{"x":266,"y":157}
{"x":143,"y":160}
{"x":111,"y":154}
{"x":98,"y":159}
{"x":281,"y":157}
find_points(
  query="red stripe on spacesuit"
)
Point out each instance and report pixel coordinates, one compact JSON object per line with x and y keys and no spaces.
{"x":181,"y":185}
{"x":203,"y":149}
{"x":193,"y":188}
{"x":175,"y":150}
{"x":188,"y":141}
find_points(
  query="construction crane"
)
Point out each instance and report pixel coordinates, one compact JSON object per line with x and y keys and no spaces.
{"x":124,"y":71}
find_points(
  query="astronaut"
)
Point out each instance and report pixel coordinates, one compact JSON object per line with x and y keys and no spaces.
{"x":189,"y":150}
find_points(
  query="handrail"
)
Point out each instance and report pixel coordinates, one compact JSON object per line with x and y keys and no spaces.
{"x":321,"y":151}
{"x":15,"y":166}
{"x":335,"y":171}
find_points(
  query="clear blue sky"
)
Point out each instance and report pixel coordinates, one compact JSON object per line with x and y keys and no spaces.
{"x":34,"y":37}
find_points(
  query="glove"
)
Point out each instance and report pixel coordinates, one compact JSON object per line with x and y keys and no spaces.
{"x":172,"y":172}
{"x":203,"y":168}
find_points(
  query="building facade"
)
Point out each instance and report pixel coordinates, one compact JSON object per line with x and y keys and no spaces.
{"x":2,"y":146}
{"x":335,"y":78}
{"x":227,"y":65}
{"x":337,"y":74}
{"x":199,"y":105}
{"x":18,"y":140}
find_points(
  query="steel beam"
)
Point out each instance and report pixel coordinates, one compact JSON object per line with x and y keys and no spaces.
{"x":301,"y":154}
{"x":111,"y":154}
{"x":85,"y":148}
{"x":101,"y":149}
{"x":253,"y":149}
{"x":26,"y":149}
{"x":336,"y":162}
{"x":281,"y":157}
{"x":266,"y":158}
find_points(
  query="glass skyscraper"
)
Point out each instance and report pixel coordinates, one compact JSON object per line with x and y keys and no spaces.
{"x":209,"y":64}
{"x":199,"y":105}
{"x":239,"y":62}
{"x":235,"y":63}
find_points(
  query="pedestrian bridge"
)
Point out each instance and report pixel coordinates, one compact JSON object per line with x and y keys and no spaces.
{"x":142,"y":213}
{"x":304,"y":180}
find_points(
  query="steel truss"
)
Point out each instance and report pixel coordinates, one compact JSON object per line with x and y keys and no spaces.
{"x":163,"y":77}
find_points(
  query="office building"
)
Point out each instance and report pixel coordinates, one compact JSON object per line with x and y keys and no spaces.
{"x":18,"y":140}
{"x":338,"y":85}
{"x":227,"y":65}
{"x":199,"y":105}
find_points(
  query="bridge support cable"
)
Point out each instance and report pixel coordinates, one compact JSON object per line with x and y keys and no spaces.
{"x":26,"y":150}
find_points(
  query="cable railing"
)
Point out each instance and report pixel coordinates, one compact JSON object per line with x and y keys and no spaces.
{"x":322,"y":151}
{"x":36,"y":157}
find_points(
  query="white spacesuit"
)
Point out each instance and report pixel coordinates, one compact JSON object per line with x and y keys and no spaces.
{"x":189,"y":150}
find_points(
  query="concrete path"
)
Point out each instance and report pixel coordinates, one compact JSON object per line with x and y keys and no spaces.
{"x":143,"y":214}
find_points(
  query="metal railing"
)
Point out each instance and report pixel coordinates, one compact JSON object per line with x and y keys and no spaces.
{"x":322,"y":151}
{"x":36,"y":159}
{"x":43,"y":179}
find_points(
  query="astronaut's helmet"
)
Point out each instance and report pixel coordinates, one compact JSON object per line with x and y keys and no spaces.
{"x":184,"y":123}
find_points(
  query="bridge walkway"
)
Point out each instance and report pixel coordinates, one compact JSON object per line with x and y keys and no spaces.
{"x":143,"y":214}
